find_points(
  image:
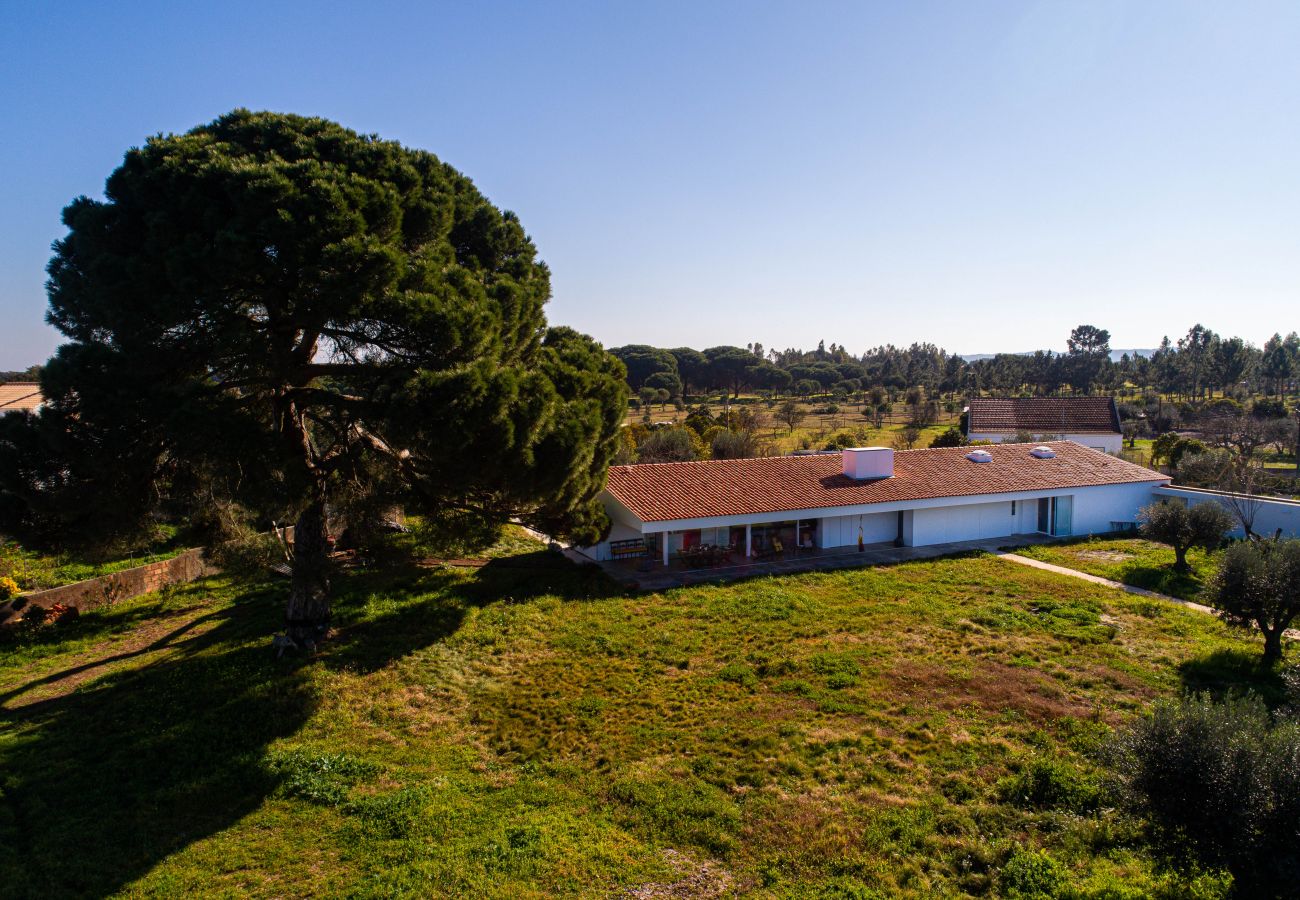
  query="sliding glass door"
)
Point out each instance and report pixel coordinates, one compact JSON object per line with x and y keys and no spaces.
{"x":1056,"y":515}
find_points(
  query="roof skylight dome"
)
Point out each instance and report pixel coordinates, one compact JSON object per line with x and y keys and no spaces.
{"x":1043,"y":453}
{"x":980,"y":456}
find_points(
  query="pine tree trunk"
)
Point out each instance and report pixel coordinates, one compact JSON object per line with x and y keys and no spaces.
{"x":307,"y":615}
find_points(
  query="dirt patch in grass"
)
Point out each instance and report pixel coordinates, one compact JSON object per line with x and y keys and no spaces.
{"x":991,"y":686}
{"x":696,"y":880}
{"x":1105,"y":555}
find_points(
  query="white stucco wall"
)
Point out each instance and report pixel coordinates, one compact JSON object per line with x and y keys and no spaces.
{"x":945,"y":524}
{"x":1110,"y":443}
{"x":1095,"y":510}
{"x":1097,"y":507}
{"x":1270,"y":514}
{"x":842,"y":531}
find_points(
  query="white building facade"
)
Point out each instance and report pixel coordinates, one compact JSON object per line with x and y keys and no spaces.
{"x":934,"y":496}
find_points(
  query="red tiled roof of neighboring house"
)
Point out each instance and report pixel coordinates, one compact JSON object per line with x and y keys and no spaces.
{"x":661,"y":492}
{"x":20,"y":395}
{"x":1043,"y":415}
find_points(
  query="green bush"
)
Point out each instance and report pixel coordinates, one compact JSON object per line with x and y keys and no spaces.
{"x":1220,"y":784}
{"x":1051,"y":784}
{"x":1032,"y":874}
{"x":738,"y":673}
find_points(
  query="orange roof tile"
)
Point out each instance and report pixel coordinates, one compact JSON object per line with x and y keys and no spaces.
{"x":1043,"y":415}
{"x":661,"y":492}
{"x":19,"y":395}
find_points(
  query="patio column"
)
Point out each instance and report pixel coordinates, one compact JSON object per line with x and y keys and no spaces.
{"x":749,"y":534}
{"x":666,"y":533}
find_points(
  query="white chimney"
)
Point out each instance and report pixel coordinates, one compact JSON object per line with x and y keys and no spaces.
{"x":867,"y":462}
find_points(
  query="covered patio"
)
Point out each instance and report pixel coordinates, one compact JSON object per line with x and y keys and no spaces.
{"x":650,"y":574}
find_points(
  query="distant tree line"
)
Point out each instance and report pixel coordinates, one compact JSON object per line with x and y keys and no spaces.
{"x":31,"y":373}
{"x":1192,"y":368}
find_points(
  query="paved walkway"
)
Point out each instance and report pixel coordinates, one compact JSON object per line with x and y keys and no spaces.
{"x":1097,"y":579}
{"x":1291,"y":633}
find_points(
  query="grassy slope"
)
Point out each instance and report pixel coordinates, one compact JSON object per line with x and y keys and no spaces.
{"x":1134,"y":561}
{"x":34,"y":570}
{"x":518,"y":731}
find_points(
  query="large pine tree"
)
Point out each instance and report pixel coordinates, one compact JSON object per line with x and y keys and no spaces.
{"x":292,"y":311}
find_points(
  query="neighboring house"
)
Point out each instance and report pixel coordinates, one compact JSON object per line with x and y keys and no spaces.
{"x":20,"y":396}
{"x":1091,"y":421}
{"x":909,"y":498}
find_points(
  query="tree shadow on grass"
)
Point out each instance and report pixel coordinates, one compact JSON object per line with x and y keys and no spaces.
{"x":101,"y":784}
{"x":1162,"y":580}
{"x":1225,"y":673}
{"x":105,"y":621}
{"x":421,"y":606}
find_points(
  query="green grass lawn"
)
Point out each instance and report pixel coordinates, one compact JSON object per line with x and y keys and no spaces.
{"x":1131,"y":560}
{"x":523,"y":730}
{"x":35,"y":570}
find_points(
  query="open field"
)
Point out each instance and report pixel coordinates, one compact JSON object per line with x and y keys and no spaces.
{"x":521,"y":730}
{"x":1131,"y":560}
{"x":816,"y":428}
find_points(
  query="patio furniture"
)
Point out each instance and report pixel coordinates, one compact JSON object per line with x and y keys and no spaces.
{"x":632,"y":549}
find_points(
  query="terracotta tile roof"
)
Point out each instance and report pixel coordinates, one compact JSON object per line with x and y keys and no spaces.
{"x":1044,"y":415}
{"x":19,"y":395}
{"x":660,"y":492}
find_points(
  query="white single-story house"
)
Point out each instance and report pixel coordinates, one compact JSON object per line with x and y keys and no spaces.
{"x":873,"y":495}
{"x":1091,"y":421}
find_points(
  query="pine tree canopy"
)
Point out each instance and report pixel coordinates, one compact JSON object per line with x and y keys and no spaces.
{"x":295,"y":310}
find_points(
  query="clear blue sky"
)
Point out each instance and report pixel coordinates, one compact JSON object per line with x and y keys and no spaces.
{"x":981,"y":175}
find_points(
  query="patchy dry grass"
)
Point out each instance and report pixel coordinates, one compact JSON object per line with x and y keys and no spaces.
{"x":522,"y":730}
{"x":1131,"y":560}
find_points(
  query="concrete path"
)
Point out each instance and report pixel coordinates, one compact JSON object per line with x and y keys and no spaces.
{"x":1097,"y":579}
{"x":1291,"y":633}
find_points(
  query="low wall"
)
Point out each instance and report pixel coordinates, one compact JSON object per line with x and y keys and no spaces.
{"x":109,"y":589}
{"x":1271,"y":513}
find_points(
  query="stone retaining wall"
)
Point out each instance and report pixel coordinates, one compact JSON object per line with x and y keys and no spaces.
{"x":109,"y":589}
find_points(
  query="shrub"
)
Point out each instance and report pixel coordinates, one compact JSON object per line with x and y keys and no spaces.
{"x":669,"y":445}
{"x":1219,"y":782}
{"x":728,"y":444}
{"x":738,"y":673}
{"x":950,"y":438}
{"x":1032,"y":874}
{"x":1051,"y":784}
{"x":8,"y":588}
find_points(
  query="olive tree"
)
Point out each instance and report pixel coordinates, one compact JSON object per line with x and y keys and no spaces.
{"x":1182,"y":528}
{"x":1258,"y":586}
{"x":289,"y":311}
